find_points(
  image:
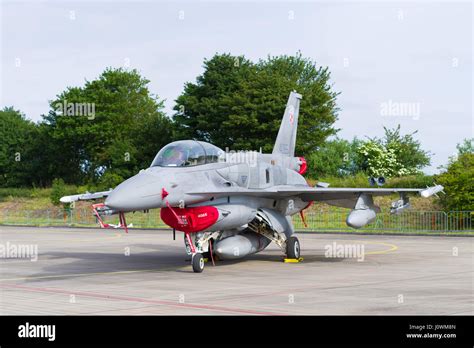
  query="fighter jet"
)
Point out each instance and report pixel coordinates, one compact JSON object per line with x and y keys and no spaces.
{"x":232,"y":205}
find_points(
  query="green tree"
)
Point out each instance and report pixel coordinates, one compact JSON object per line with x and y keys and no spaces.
{"x":467,"y":146}
{"x":120,"y":134}
{"x":337,"y":157}
{"x":410,"y":157}
{"x":394,"y":155}
{"x":379,"y":160}
{"x":239,"y":104}
{"x":458,"y":182}
{"x":17,"y":135}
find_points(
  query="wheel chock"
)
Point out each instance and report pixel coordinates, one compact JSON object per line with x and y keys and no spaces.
{"x":293,"y":260}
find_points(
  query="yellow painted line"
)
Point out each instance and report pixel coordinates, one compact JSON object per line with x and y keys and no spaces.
{"x":392,"y":247}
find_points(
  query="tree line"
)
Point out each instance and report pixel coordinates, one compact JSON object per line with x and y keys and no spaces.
{"x":111,"y":127}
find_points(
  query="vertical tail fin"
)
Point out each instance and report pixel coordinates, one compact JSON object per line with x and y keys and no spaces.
{"x":286,"y":139}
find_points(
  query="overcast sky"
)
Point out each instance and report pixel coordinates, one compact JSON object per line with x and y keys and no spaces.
{"x":382,"y":56}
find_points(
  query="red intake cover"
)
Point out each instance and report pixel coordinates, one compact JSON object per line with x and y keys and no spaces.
{"x":192,"y":219}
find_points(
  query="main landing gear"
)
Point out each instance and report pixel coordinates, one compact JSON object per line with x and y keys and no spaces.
{"x":200,"y":247}
{"x":293,"y":250}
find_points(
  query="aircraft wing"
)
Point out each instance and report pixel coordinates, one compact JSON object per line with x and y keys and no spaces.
{"x":308,"y":193}
{"x":85,"y":196}
{"x":324,"y":194}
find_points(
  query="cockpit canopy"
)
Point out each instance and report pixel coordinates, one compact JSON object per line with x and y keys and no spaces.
{"x":186,"y":153}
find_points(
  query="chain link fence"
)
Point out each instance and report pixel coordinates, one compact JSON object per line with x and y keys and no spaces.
{"x":407,"y":222}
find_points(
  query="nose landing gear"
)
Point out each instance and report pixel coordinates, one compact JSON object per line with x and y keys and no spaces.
{"x":197,"y":262}
{"x":200,"y":247}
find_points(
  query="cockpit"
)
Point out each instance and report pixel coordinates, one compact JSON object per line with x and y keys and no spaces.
{"x":187,"y":153}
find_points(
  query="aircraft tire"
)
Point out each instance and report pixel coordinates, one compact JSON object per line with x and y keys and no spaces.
{"x":293,"y":250}
{"x":198,"y":263}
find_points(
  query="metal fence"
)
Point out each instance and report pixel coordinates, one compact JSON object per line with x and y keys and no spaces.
{"x":317,"y":220}
{"x":411,"y":221}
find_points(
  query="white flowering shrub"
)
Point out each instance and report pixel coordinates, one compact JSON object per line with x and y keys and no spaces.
{"x":382,"y":160}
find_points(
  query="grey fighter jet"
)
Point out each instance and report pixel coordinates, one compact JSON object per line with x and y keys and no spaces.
{"x":230,"y":205}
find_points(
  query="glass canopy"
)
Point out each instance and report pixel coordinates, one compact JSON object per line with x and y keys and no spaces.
{"x":186,"y":153}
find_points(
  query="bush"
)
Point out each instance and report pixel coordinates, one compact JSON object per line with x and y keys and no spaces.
{"x":358,"y":180}
{"x":411,"y":181}
{"x":57,"y":191}
{"x":380,"y":161}
{"x":15,"y":192}
{"x":458,"y":182}
{"x":394,"y":155}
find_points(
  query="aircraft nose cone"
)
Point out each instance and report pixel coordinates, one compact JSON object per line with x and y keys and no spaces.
{"x":137,"y":193}
{"x":116,"y":200}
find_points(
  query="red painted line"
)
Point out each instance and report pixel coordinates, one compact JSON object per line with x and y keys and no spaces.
{"x":136,"y":299}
